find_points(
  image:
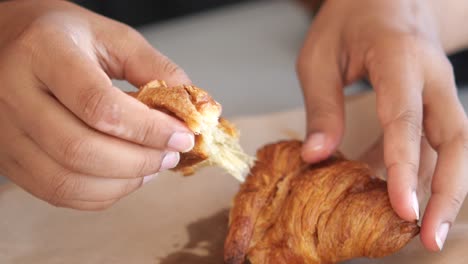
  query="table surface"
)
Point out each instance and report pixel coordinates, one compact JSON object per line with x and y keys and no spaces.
{"x":175,"y":219}
{"x":244,"y":55}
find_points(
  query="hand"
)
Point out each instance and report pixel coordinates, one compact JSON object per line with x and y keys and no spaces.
{"x":68,"y":136}
{"x":394,"y":44}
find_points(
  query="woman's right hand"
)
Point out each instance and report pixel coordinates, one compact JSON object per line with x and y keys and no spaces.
{"x":68,"y":136}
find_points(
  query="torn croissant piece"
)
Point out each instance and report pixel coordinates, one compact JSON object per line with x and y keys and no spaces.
{"x":216,"y":140}
{"x":291,"y":212}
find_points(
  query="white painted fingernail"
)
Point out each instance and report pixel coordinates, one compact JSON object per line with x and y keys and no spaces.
{"x":415,"y":205}
{"x":148,"y":178}
{"x":441,"y":235}
{"x":181,"y":141}
{"x":170,"y":160}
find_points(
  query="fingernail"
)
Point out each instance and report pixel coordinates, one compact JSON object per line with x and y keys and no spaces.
{"x":170,"y":160}
{"x":148,"y":178}
{"x":181,"y":141}
{"x":315,"y":142}
{"x":415,"y":205}
{"x":441,"y":235}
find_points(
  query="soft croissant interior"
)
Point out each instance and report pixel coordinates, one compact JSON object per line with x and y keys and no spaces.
{"x":291,"y":212}
{"x":216,"y":139}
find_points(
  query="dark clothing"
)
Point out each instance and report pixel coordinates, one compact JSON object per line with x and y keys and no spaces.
{"x":460,"y":66}
{"x":141,"y":12}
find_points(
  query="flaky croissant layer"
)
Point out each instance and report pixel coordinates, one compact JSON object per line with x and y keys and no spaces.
{"x":216,"y":139}
{"x":290,"y":212}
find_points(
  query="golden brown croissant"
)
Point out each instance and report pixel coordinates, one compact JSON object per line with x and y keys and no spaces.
{"x":216,"y":140}
{"x":291,"y":212}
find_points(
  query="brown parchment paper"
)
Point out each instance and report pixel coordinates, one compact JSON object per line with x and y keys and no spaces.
{"x":180,"y":220}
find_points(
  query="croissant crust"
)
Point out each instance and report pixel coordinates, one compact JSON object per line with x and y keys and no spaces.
{"x":216,"y":139}
{"x":291,"y":212}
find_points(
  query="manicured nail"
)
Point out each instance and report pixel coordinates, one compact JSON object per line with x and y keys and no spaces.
{"x":415,"y":205}
{"x":181,"y":141}
{"x":315,"y":142}
{"x":148,"y":178}
{"x":441,"y":235}
{"x":170,"y":160}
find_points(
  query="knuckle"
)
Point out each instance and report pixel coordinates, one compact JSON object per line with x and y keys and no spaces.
{"x":32,"y":32}
{"x":91,"y":100}
{"x":395,"y":45}
{"x":95,"y":108}
{"x":409,"y":166}
{"x":323,"y":106}
{"x":128,"y":187}
{"x":39,"y":32}
{"x":129,"y":33}
{"x":61,"y":187}
{"x":409,"y":119}
{"x":451,"y":138}
{"x":324,"y":109}
{"x":462,"y":138}
{"x":408,"y":43}
{"x":30,"y":40}
{"x":412,"y":166}
{"x":147,"y":132}
{"x":171,"y":68}
{"x":74,"y":151}
{"x":455,"y":201}
{"x":441,"y":72}
{"x":146,"y":165}
{"x":447,"y":66}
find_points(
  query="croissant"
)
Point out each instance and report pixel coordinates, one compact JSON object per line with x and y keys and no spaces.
{"x":216,"y":139}
{"x":291,"y":212}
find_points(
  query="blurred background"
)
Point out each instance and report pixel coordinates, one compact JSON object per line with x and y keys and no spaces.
{"x":138,"y":13}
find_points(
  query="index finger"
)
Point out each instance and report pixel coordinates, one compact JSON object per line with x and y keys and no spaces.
{"x":399,"y":105}
{"x":84,"y":88}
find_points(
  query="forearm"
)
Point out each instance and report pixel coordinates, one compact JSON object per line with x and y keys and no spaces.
{"x":452,"y":18}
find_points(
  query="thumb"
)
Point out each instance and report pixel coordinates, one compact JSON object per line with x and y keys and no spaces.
{"x":324,"y":101}
{"x":130,"y":57}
